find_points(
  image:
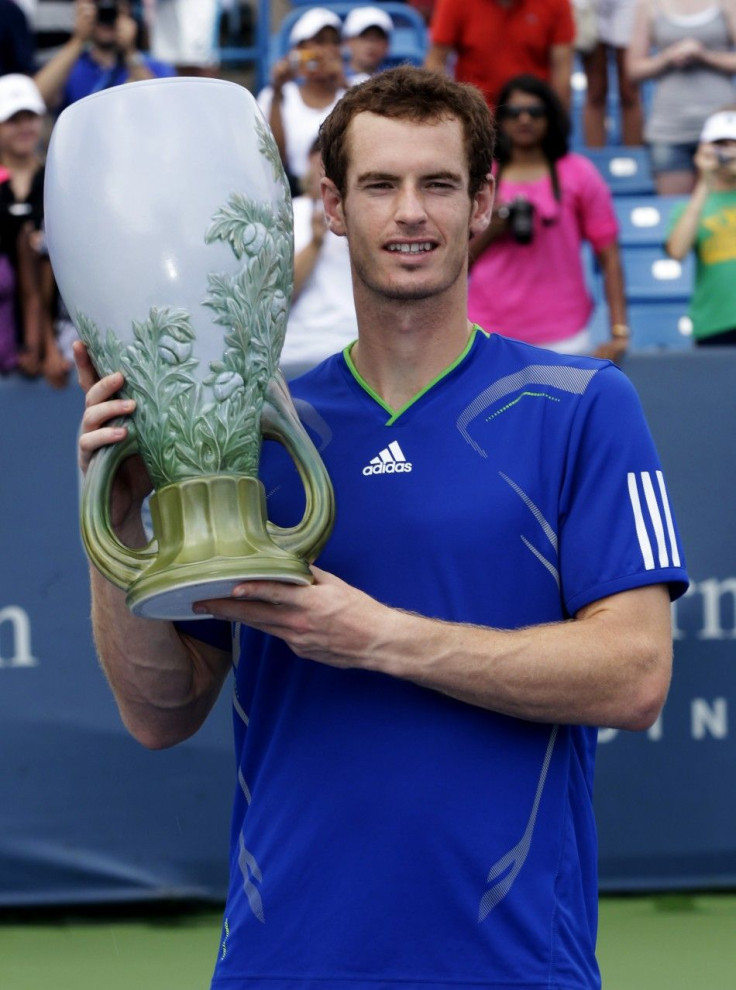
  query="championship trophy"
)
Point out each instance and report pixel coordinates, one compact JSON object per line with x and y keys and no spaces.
{"x":169,"y":226}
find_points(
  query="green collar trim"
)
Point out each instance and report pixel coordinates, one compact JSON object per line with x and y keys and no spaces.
{"x":395,"y":413}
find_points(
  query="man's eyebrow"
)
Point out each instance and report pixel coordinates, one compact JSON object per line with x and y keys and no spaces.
{"x":444,"y":175}
{"x":375,"y":177}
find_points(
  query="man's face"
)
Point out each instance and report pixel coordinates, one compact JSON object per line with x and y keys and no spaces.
{"x":368,"y":50}
{"x":406,"y":211}
{"x":105,"y":32}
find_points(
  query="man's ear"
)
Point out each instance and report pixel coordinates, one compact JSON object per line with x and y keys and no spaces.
{"x":333,"y":206}
{"x":480,"y":215}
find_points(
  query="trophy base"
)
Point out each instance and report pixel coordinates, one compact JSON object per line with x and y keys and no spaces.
{"x":173,"y":595}
{"x":214,"y":534}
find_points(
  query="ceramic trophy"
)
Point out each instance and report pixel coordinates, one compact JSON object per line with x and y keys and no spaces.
{"x":169,"y":227}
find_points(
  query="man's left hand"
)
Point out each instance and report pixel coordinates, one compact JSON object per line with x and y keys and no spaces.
{"x":328,"y":621}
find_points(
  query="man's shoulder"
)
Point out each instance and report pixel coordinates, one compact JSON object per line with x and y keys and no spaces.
{"x":517,"y":365}
{"x":310,"y":383}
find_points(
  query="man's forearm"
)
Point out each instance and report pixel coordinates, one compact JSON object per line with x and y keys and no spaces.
{"x":609,"y":666}
{"x":164,"y":683}
{"x":584,"y":671}
{"x":52,"y":77}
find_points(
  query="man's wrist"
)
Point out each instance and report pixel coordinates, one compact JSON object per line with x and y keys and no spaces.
{"x":620,"y":331}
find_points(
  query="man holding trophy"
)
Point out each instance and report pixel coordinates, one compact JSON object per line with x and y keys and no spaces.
{"x":415,"y":729}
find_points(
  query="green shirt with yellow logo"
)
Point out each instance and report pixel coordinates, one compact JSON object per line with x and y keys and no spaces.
{"x":713,"y":304}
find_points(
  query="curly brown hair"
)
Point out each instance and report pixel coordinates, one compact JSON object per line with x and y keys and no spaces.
{"x":419,"y":95}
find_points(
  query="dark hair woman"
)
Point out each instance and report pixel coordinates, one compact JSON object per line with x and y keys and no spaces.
{"x":527,"y":278}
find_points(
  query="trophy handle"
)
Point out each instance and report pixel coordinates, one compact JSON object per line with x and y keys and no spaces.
{"x":121,"y":565}
{"x":279,"y":421}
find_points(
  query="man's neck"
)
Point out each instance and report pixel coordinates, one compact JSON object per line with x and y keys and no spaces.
{"x":399,"y":355}
{"x":106,"y":58}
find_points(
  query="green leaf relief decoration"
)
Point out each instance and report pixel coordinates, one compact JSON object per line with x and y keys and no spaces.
{"x":187,"y":425}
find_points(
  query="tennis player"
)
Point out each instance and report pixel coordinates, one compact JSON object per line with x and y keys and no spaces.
{"x":415,"y":732}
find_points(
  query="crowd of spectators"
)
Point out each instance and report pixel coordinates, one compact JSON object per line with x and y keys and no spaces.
{"x":671,"y":62}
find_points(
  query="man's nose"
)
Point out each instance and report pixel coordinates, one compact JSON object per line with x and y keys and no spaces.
{"x":410,"y":206}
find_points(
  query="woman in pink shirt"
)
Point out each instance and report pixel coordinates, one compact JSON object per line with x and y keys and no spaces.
{"x":527,"y":278}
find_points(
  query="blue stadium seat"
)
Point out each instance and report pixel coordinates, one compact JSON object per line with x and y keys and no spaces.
{"x":654,"y":325}
{"x":409,"y":40}
{"x":652,"y":276}
{"x":658,"y":291}
{"x":626,"y":169}
{"x":644,"y":219}
{"x":660,"y":325}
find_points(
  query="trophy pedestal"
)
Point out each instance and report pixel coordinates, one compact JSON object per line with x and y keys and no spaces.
{"x":212,"y":534}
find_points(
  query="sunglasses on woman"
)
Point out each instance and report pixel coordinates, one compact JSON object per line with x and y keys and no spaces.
{"x":513,"y":113}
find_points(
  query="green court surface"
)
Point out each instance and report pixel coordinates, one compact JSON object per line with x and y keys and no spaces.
{"x":668,"y":942}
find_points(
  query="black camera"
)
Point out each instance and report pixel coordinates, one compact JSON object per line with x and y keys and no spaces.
{"x":519,"y":214}
{"x":107,"y":12}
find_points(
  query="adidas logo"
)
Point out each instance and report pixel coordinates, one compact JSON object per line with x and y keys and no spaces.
{"x":391,"y":460}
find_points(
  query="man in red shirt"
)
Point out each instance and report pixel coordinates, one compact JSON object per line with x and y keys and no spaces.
{"x":495,"y":40}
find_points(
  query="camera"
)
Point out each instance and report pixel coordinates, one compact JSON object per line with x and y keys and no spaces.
{"x":519,"y":214}
{"x":107,"y":12}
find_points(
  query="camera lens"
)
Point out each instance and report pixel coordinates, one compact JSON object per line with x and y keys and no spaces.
{"x":107,"y":12}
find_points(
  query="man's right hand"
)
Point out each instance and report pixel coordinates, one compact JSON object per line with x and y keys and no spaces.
{"x":85,"y":18}
{"x":102,"y":404}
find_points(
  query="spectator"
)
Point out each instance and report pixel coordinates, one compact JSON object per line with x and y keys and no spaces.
{"x":102,"y":52}
{"x":21,"y":218}
{"x":367,"y":35}
{"x":527,"y":279}
{"x":495,"y":40}
{"x":707,"y":225}
{"x":305,"y":86}
{"x":692,"y":68}
{"x":183,"y":34}
{"x":17,"y":47}
{"x":322,"y":318}
{"x":613,"y":21}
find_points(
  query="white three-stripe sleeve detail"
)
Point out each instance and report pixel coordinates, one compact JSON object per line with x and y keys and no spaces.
{"x":656,"y":516}
{"x":641,"y":530}
{"x":668,"y":519}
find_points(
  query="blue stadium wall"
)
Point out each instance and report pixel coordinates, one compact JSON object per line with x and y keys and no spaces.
{"x":87,"y":815}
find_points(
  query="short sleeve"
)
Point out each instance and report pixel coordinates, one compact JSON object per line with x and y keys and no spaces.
{"x":617,"y":526}
{"x":564,"y":24}
{"x":445,"y":27}
{"x":594,"y":203}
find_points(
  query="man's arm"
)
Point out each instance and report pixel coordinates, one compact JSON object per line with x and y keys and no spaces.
{"x":52,"y":77}
{"x":684,"y":233}
{"x":560,"y":72}
{"x":609,"y":666}
{"x":609,"y":259}
{"x":126,"y":29}
{"x":165,"y":682}
{"x":437,"y":56}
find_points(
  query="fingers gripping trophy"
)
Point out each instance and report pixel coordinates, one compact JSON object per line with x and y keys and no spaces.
{"x":169,"y":225}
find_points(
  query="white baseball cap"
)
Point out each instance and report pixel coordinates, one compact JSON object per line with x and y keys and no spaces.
{"x":719,"y":126}
{"x":312,"y":22}
{"x":19,"y":92}
{"x":361,"y":18}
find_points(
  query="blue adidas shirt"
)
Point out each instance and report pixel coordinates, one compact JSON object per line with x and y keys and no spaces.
{"x":385,"y":835}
